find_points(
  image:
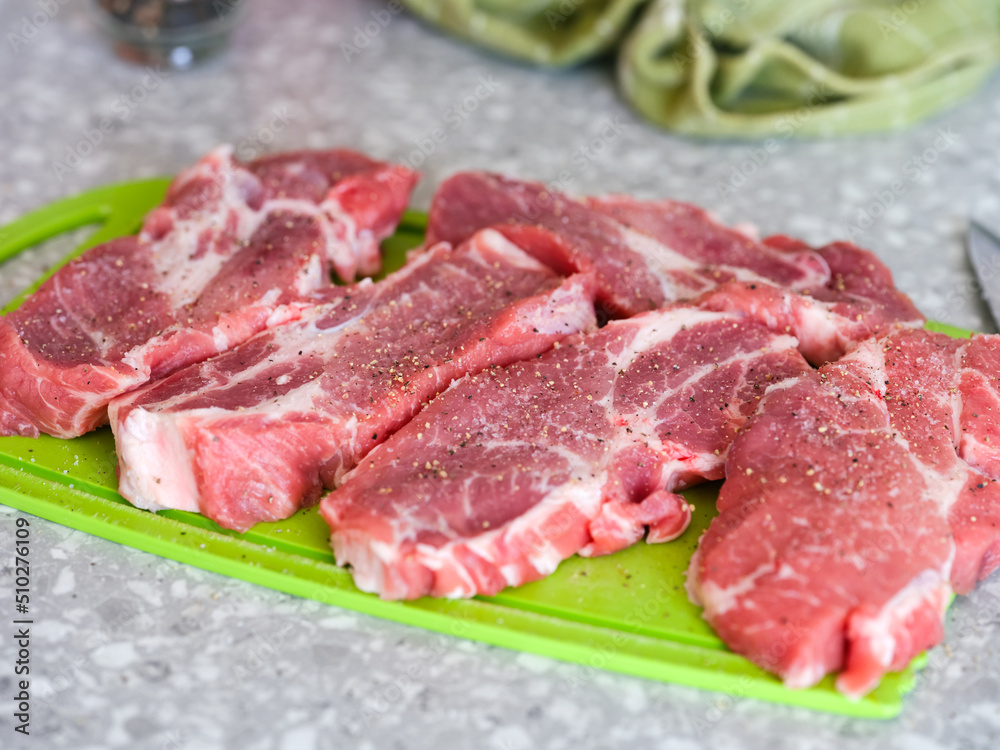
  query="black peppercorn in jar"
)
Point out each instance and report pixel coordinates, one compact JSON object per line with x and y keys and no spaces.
{"x":173,"y":33}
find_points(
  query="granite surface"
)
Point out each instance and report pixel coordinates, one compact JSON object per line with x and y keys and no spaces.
{"x":133,"y":651}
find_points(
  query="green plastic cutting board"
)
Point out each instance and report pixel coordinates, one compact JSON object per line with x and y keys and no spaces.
{"x":626,"y":612}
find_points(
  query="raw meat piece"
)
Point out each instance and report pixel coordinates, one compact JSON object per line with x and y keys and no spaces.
{"x":975,"y":516}
{"x":859,"y":302}
{"x":233,"y":250}
{"x":254,"y":434}
{"x":695,"y":234}
{"x":510,"y":471}
{"x":635,"y":272}
{"x":648,"y":253}
{"x":849,"y":513}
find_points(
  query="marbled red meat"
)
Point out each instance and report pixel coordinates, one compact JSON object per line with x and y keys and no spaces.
{"x":256,"y":433}
{"x":233,"y":250}
{"x":649,"y":253}
{"x":636,"y":270}
{"x":860,"y":301}
{"x":854,"y":505}
{"x":579,"y":450}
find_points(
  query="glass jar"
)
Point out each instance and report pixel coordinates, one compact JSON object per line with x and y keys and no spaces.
{"x":171,"y":33}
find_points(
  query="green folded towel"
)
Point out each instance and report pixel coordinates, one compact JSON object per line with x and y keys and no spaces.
{"x":548,"y":32}
{"x":749,"y":68}
{"x":752,"y":68}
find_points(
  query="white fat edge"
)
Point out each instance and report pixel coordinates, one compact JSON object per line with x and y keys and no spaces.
{"x":656,"y":327}
{"x":495,"y":243}
{"x":612,"y":512}
{"x":436,"y":559}
{"x":220,"y":157}
{"x":144,"y":434}
{"x":346,"y":246}
{"x":803,"y":673}
{"x":286,"y":314}
{"x":368,"y":571}
{"x":718,"y":600}
{"x":661,"y":260}
{"x":562,"y":313}
{"x":819,"y":322}
{"x":220,"y":336}
{"x":969,"y":453}
{"x":697,"y":463}
{"x":584,"y":495}
{"x":182,"y":280}
{"x":869,"y":354}
{"x":459,"y":592}
{"x":136,"y":357}
{"x":876,"y":630}
{"x":746,"y":228}
{"x":692,"y":584}
{"x":305,"y":339}
{"x":815,"y":319}
{"x":310,"y":278}
{"x":339,"y":227}
{"x":664,"y":260}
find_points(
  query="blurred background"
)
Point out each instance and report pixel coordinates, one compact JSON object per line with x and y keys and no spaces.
{"x":141,"y":652}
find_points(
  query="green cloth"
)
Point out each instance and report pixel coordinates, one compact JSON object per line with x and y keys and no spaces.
{"x":548,"y":32}
{"x":745,"y":68}
{"x":754,"y":68}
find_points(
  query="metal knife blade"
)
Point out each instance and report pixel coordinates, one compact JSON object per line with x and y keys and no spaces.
{"x":984,"y":252}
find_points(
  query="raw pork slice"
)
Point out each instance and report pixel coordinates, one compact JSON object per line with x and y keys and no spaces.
{"x":860,"y":301}
{"x":254,"y":434}
{"x":637,"y":269}
{"x":855,"y":504}
{"x":510,"y":471}
{"x":649,"y":253}
{"x":234,"y":249}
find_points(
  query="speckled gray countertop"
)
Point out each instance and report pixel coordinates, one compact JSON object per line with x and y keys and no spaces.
{"x":133,"y":651}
